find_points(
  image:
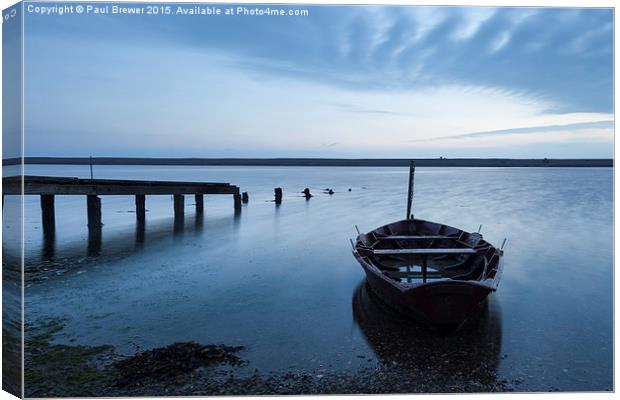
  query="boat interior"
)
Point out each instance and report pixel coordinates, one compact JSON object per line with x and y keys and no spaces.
{"x":416,"y":251}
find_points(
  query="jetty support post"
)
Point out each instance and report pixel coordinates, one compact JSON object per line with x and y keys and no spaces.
{"x":141,"y":208}
{"x":245,"y":198}
{"x":200,"y":205}
{"x":237,"y":201}
{"x":48,"y":215}
{"x":179,"y":213}
{"x":179,"y":206}
{"x":93,"y":206}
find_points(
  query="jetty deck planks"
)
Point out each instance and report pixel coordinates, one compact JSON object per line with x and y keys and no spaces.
{"x":39,"y":185}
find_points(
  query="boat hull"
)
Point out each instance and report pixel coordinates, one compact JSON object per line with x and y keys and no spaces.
{"x":442,"y":305}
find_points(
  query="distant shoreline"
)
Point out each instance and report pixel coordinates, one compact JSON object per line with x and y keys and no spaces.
{"x":320,"y":162}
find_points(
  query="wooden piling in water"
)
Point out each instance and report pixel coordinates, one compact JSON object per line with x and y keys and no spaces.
{"x":48,"y":214}
{"x":179,"y":213}
{"x":199,"y":203}
{"x":93,"y":206}
{"x":48,"y":186}
{"x":237,"y":200}
{"x":307,"y":193}
{"x":179,"y":206}
{"x":245,"y":198}
{"x":141,"y":208}
{"x":278,"y":195}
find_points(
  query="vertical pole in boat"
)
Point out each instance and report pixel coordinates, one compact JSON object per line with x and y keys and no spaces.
{"x":410,"y":193}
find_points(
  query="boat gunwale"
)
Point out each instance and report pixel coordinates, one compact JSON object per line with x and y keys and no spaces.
{"x":488,"y":283}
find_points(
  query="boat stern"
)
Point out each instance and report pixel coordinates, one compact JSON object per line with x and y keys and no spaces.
{"x":445,"y":305}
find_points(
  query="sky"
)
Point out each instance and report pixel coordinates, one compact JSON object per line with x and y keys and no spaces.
{"x":342,"y":81}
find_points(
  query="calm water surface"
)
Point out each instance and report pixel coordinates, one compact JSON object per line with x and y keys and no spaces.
{"x":282,"y":281}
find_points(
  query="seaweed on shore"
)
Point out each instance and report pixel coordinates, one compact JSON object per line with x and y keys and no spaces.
{"x":58,"y":370}
{"x":173,"y":360}
{"x":61,"y":370}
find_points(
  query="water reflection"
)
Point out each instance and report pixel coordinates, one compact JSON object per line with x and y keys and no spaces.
{"x":55,"y":258}
{"x":237,"y":221}
{"x":199,"y":220}
{"x":49,"y":245}
{"x":94,"y":241}
{"x":179,"y":224}
{"x":472,"y":352}
{"x":12,"y":241}
{"x":140,"y":232}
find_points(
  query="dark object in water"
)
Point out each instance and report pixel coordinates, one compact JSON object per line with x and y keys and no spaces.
{"x":307,"y":193}
{"x":278,"y":195}
{"x":328,"y":191}
{"x":244,"y":197}
{"x":433,"y":272}
{"x":349,"y":189}
{"x":172,"y":360}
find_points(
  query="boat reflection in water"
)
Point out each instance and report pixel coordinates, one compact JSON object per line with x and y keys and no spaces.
{"x":471,"y":355}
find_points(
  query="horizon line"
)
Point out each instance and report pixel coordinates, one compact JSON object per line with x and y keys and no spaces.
{"x":316,"y":161}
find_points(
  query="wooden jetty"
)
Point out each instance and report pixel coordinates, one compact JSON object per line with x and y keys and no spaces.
{"x":47,"y":187}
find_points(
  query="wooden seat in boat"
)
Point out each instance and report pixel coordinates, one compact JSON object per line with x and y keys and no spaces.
{"x":456,"y":250}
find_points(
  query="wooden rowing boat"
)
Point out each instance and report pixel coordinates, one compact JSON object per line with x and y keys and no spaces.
{"x":433,"y":272}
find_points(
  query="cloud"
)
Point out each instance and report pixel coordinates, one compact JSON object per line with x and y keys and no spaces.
{"x":472,"y":19}
{"x":500,"y":41}
{"x":396,"y":48}
{"x":363,"y":110}
{"x":582,"y":42}
{"x":360,"y":80}
{"x":527,"y":131}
